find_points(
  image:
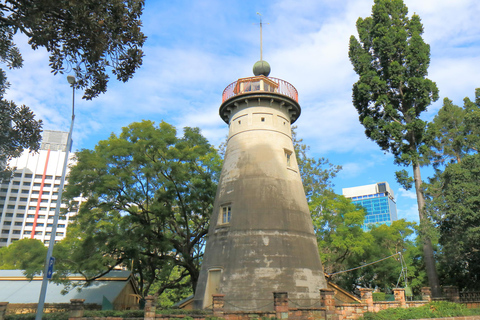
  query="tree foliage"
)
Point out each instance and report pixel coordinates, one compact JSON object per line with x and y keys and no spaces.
{"x":453,"y":194}
{"x":18,"y":130}
{"x":456,"y":211}
{"x":87,"y":36}
{"x":455,"y":131}
{"x":317,"y":174}
{"x":391,"y":60}
{"x":24,"y":254}
{"x":149,"y":196}
{"x":338,"y":225}
{"x":345,"y":245}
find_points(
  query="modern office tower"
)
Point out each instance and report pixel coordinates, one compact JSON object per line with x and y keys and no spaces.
{"x":29,"y":199}
{"x":377,"y":199}
{"x":261,"y":236}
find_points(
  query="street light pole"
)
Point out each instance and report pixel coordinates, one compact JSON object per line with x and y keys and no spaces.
{"x":49,"y":261}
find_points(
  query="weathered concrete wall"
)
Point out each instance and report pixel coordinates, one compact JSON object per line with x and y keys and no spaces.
{"x":269,"y":243}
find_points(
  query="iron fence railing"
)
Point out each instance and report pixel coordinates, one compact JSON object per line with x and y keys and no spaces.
{"x":472,"y":296}
{"x":249,"y":85}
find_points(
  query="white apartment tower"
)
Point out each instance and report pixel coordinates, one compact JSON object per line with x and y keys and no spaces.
{"x":29,"y":199}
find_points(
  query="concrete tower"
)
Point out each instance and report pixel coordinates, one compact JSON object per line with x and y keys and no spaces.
{"x":261,"y":235}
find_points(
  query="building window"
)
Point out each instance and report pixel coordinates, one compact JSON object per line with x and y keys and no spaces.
{"x":16,"y":231}
{"x":18,"y":223}
{"x":28,"y":175}
{"x":225,"y":214}
{"x":4,"y":189}
{"x":16,"y":183}
{"x":38,"y":233}
{"x":9,"y":215}
{"x":14,"y":191}
{"x":7,"y":223}
{"x":27,"y":232}
{"x":24,"y":191}
{"x":31,"y":216}
{"x":17,"y":175}
{"x":26,"y":183}
{"x":20,"y":215}
{"x":11,"y":206}
{"x":288,"y":157}
{"x":38,"y":176}
{"x":59,"y":234}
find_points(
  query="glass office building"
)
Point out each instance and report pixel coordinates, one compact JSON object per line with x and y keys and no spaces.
{"x":377,"y":199}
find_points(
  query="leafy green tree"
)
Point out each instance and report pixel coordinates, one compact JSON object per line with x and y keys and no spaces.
{"x":25,"y":254}
{"x":453,"y":200}
{"x":455,"y":207}
{"x":338,"y":225}
{"x":391,"y":60}
{"x":88,"y":37}
{"x":149,"y":195}
{"x":346,"y":249}
{"x":18,"y":131}
{"x":455,"y":131}
{"x":317,"y":174}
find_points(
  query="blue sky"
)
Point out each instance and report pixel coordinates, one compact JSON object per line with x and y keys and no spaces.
{"x":196,"y":48}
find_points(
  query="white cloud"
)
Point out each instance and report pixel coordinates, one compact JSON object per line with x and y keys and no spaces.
{"x":409,"y":213}
{"x":409,"y":194}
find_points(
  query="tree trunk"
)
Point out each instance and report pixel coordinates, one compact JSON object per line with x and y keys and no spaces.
{"x":427,"y":242}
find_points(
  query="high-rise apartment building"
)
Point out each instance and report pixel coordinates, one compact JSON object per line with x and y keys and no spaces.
{"x":28,"y":201}
{"x":377,"y":199}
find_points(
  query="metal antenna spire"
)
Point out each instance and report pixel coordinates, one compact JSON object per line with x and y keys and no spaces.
{"x":261,"y":44}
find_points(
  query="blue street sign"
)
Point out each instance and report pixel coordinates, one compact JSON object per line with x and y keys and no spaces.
{"x":51,"y":262}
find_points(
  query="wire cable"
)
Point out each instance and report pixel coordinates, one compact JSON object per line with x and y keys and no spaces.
{"x":365,"y":265}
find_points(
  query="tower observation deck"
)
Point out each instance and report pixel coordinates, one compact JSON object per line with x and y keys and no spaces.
{"x":261,"y":87}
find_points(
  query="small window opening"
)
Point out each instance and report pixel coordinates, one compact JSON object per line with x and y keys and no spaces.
{"x":288,"y":157}
{"x":263,"y":119}
{"x":239,"y":121}
{"x":226,"y":214}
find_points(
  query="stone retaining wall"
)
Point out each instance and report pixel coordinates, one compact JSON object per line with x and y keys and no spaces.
{"x":327,"y":310}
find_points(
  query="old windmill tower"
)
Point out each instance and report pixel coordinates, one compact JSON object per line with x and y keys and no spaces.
{"x":261,"y":235}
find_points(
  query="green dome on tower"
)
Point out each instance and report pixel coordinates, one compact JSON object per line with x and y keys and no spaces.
{"x":261,"y":68}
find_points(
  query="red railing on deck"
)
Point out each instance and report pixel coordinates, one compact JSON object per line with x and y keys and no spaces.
{"x":283,"y":87}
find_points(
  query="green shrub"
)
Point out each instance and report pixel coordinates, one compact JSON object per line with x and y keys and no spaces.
{"x":378,"y":296}
{"x":31,"y":316}
{"x":65,"y":315}
{"x":438,"y":309}
{"x":182,"y":311}
{"x":115,"y":313}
